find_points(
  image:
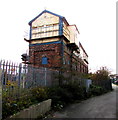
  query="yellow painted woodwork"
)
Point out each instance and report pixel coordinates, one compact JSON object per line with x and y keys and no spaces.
{"x":66,"y":31}
{"x":46,"y":25}
{"x":45,"y":19}
{"x":45,"y":40}
{"x":73,"y":34}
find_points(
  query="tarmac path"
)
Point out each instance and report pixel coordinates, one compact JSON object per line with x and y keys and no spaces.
{"x":103,"y":106}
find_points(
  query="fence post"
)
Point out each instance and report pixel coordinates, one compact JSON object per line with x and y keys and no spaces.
{"x":24,"y":76}
{"x":45,"y":70}
{"x":19,"y":75}
{"x":6,"y":75}
{"x":2,"y":77}
{"x":0,"y":73}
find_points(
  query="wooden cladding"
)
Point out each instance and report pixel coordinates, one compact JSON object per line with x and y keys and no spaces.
{"x":45,"y":31}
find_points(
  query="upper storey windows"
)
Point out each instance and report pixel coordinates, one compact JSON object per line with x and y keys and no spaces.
{"x":44,"y":25}
{"x":66,"y":31}
{"x":74,"y":33}
{"x":45,"y":31}
{"x":48,"y":24}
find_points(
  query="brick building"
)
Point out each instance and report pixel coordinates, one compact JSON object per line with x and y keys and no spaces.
{"x":53,"y":43}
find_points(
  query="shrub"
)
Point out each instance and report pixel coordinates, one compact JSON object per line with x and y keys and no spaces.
{"x":101,"y":78}
{"x":66,"y":94}
{"x":39,"y":93}
{"x":95,"y":90}
{"x":55,"y":93}
{"x":60,"y":97}
{"x":78,"y":92}
{"x":13,"y":104}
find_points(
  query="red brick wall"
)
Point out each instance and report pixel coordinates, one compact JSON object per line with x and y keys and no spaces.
{"x":51,"y":51}
{"x":54,"y":54}
{"x":77,"y":63}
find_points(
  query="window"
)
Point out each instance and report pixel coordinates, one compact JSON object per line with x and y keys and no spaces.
{"x":44,"y":60}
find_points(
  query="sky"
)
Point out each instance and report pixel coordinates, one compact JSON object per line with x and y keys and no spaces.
{"x":95,"y":20}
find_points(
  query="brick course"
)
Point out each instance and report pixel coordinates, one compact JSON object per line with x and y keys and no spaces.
{"x":51,"y":51}
{"x":58,"y":55}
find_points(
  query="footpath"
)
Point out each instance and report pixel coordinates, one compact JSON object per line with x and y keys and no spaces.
{"x":103,"y":106}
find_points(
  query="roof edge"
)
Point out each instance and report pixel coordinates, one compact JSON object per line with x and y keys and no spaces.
{"x":42,"y":13}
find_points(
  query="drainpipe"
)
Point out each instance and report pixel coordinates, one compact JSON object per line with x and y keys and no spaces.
{"x":62,"y":57}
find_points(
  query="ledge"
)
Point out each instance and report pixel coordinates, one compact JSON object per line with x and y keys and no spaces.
{"x":33,"y":111}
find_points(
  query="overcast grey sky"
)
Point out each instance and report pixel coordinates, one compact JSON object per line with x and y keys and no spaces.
{"x":95,"y":19}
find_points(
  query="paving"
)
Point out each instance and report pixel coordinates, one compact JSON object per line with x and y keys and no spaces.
{"x":103,"y":106}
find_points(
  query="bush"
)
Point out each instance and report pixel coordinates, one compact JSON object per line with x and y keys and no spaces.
{"x":101,"y":78}
{"x":55,"y":93}
{"x":13,"y":104}
{"x":39,"y":94}
{"x":95,"y":90}
{"x":78,"y":92}
{"x":66,"y":94}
